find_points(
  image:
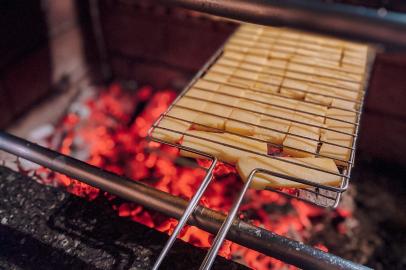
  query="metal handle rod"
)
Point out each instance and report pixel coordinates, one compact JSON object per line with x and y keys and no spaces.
{"x":241,"y":233}
{"x":225,"y":227}
{"x":189,"y":210}
{"x":340,"y":20}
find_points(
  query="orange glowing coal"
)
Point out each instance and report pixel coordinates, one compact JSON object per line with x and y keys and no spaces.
{"x":111,"y":143}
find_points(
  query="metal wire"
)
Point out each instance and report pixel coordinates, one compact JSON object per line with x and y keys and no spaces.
{"x":225,"y":227}
{"x":186,"y":215}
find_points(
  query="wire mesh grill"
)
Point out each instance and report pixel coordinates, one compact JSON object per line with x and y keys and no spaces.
{"x":277,"y":75}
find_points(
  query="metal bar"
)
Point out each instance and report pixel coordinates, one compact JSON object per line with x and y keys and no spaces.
{"x":316,"y":193}
{"x":186,"y":215}
{"x":225,"y":227}
{"x":242,"y":233}
{"x":371,"y":58}
{"x":344,"y":185}
{"x":344,"y":21}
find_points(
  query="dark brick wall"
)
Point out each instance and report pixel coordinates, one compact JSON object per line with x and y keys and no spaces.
{"x":24,"y":56}
{"x":27,"y":80}
{"x":387,"y":91}
{"x":22,"y":29}
{"x":383,"y":129}
{"x":40,"y":45}
{"x":157,"y":45}
{"x":393,"y":5}
{"x":5,"y":107}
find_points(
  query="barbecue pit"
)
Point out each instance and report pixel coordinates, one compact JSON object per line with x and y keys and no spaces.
{"x":241,"y":232}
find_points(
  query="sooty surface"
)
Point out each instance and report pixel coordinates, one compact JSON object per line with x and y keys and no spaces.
{"x":47,"y":228}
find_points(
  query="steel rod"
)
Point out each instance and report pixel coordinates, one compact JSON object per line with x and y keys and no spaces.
{"x":225,"y":227}
{"x":186,"y":215}
{"x":344,"y":21}
{"x":242,"y":233}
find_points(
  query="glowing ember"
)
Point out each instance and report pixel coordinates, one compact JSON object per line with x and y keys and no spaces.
{"x":104,"y":138}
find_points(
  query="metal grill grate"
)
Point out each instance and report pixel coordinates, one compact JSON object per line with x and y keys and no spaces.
{"x":343,"y":77}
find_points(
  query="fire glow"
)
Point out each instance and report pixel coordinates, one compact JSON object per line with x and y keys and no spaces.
{"x":105,"y":136}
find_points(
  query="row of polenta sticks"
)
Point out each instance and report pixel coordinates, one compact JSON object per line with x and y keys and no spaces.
{"x":275,"y":87}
